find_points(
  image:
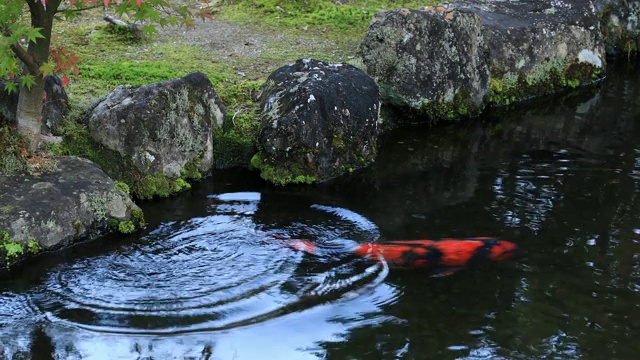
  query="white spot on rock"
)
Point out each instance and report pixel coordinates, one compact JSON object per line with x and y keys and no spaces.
{"x":149,"y":157}
{"x":407,"y":36}
{"x":311,"y":98}
{"x":590,"y":57}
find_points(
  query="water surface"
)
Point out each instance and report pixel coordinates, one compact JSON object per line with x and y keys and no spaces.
{"x":207,"y":279}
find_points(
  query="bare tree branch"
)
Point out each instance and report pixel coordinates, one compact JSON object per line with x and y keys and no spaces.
{"x":26,"y":58}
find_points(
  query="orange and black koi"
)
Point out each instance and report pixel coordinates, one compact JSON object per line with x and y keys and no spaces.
{"x":432,"y":254}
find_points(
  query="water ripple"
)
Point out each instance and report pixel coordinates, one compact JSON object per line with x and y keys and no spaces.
{"x":208,"y":273}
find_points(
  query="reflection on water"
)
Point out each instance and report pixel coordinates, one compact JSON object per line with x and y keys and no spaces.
{"x":220,"y":271}
{"x":559,"y":177}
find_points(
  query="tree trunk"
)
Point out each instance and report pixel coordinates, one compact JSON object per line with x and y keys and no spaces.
{"x":29,"y":112}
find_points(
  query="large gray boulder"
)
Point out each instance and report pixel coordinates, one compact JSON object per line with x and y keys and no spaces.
{"x":55,"y":103}
{"x":319,"y":120}
{"x":528,"y":48}
{"x":59,"y":208}
{"x":161,"y":126}
{"x":430,"y":61}
{"x":539,"y":46}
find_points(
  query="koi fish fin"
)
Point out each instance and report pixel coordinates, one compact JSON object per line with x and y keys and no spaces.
{"x":302,"y":245}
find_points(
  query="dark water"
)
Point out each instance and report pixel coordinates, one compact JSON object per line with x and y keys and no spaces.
{"x":560,"y":177}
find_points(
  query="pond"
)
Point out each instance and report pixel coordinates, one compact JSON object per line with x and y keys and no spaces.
{"x":211,"y":278}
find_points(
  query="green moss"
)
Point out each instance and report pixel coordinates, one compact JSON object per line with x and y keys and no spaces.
{"x":544,"y":78}
{"x":442,"y":109}
{"x":154,"y":185}
{"x":573,"y":83}
{"x":122,"y":186}
{"x":137,"y":216}
{"x":77,"y":224}
{"x":126,"y":227}
{"x":282,"y":176}
{"x":113,"y":223}
{"x":33,"y":247}
{"x":337,"y":141}
{"x":459,"y":107}
{"x":12,"y":250}
{"x":191,"y":170}
{"x":256,"y":162}
{"x":350,"y":17}
{"x":289,"y":173}
{"x":180,"y":184}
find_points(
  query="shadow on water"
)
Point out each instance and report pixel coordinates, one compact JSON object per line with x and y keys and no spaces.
{"x":559,"y":176}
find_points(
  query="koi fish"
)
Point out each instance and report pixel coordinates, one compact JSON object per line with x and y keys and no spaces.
{"x":426,"y":254}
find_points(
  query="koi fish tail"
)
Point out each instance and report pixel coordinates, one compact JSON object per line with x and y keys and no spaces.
{"x":302,"y":245}
{"x":334,"y":247}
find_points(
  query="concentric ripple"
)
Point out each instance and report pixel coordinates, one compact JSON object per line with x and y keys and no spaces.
{"x":208,"y":273}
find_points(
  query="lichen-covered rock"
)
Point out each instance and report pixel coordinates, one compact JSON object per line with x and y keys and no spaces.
{"x":430,"y":61}
{"x":161,"y":126}
{"x":319,"y":120}
{"x":537,"y":47}
{"x":56,"y":209}
{"x":620,"y":26}
{"x":55,"y":103}
{"x":529,"y":48}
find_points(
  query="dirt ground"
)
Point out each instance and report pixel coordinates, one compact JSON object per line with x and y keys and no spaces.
{"x":258,"y":51}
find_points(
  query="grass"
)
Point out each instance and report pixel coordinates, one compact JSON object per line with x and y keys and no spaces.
{"x":109,"y":59}
{"x":348,"y":19}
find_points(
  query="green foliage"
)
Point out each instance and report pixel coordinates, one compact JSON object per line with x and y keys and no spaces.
{"x":191,"y":170}
{"x":126,"y":227}
{"x":122,"y":186}
{"x":158,"y":185}
{"x":4,"y":236}
{"x":279,"y":175}
{"x":137,"y":216}
{"x":76,"y":139}
{"x":181,"y":184}
{"x":11,"y":249}
{"x":33,"y":247}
